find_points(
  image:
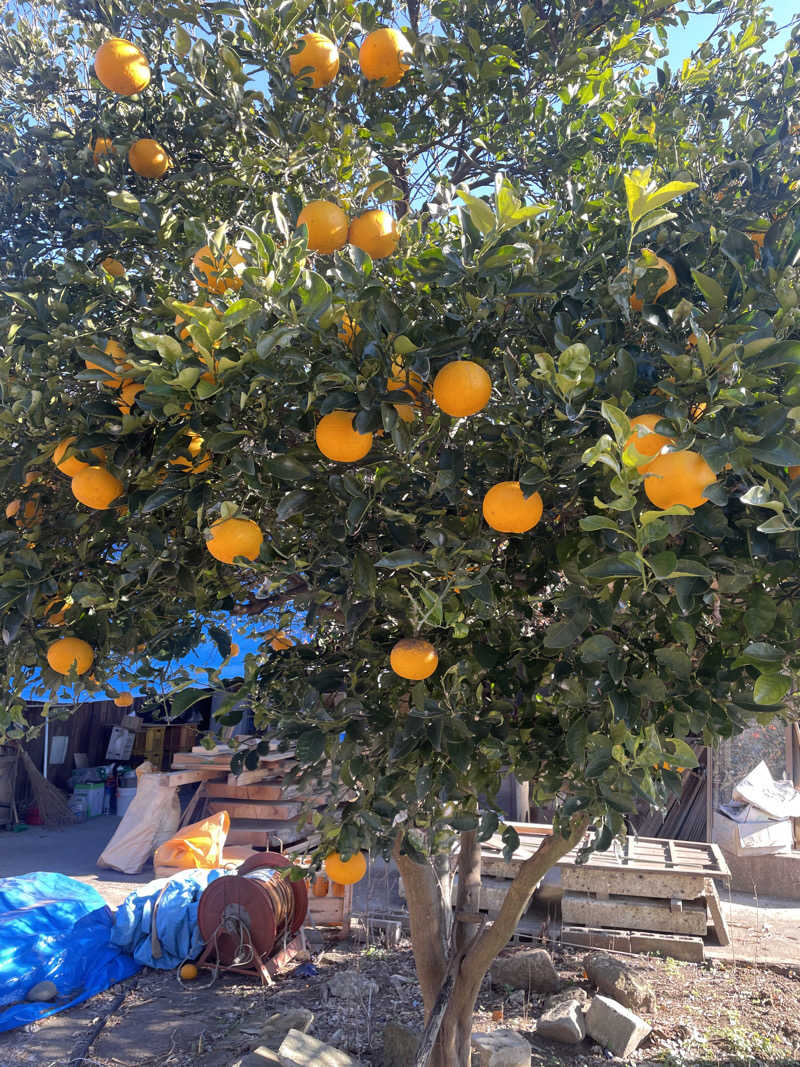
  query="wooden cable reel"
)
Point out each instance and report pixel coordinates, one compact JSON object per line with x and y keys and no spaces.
{"x":249,"y":920}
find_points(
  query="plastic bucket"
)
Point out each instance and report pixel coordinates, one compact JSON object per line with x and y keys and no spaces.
{"x":124,"y":798}
{"x":78,"y":804}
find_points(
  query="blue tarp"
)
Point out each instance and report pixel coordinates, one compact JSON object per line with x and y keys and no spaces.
{"x":53,"y":928}
{"x":176,"y":919}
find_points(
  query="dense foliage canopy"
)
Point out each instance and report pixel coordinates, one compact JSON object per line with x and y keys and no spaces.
{"x":539,"y":158}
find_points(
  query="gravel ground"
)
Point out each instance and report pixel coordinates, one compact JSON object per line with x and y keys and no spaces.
{"x":711,"y":1013}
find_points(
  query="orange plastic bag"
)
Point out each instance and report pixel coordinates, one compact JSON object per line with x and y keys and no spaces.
{"x":198,"y":845}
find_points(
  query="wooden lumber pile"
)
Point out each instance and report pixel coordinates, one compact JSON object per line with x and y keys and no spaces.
{"x":685,"y":817}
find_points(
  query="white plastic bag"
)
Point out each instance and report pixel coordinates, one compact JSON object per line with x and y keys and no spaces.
{"x":151,"y":819}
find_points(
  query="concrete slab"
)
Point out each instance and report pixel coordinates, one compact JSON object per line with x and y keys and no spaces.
{"x":71,"y":850}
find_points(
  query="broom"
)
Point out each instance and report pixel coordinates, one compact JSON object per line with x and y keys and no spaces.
{"x":49,"y":799}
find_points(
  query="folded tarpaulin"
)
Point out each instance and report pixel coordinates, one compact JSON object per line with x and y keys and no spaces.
{"x":54,"y":928}
{"x":175,"y":902}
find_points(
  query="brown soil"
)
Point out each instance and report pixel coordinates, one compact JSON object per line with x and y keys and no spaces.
{"x":707,"y":1014}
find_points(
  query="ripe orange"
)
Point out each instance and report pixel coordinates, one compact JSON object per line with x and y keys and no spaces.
{"x":121,"y":67}
{"x":200,"y":461}
{"x":119,"y":355}
{"x":188,"y":972}
{"x":409,"y":382}
{"x":124,"y":700}
{"x":375,"y":232}
{"x":677,"y":478}
{"x":462,"y":388}
{"x":102,"y":147}
{"x":345,"y":872}
{"x":645,"y":440}
{"x":96,"y":487}
{"x":326,"y":224}
{"x":231,"y":538}
{"x":794,"y":472}
{"x":67,"y":652}
{"x":338,"y":440}
{"x":348,"y":330}
{"x":113,"y":267}
{"x":127,"y":396}
{"x":380,"y":56}
{"x":671,"y":281}
{"x":507,"y":510}
{"x":148,"y":158}
{"x":318,"y":53}
{"x":216,"y":274}
{"x":414,"y":658}
{"x":280,"y":642}
{"x":71,"y":465}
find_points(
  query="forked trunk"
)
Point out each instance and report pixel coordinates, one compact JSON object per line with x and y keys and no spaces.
{"x":453,"y":952}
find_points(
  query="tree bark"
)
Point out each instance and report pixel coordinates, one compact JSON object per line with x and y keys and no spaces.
{"x":450,"y":970}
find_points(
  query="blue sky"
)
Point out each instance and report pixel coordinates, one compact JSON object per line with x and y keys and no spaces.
{"x":682,"y":41}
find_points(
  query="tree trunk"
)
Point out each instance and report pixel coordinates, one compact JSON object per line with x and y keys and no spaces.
{"x":451,"y":969}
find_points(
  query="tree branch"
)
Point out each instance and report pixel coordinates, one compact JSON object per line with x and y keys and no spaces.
{"x":495,"y":937}
{"x":469,"y":889}
{"x":428,"y":938}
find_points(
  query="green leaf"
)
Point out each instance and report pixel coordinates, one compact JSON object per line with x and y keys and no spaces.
{"x":771,"y":688}
{"x":403,"y":557}
{"x":674,"y":660}
{"x":596,"y":649}
{"x":760,"y":654}
{"x":607,"y":569}
{"x":159,"y":499}
{"x":125,"y":201}
{"x":479,"y":211}
{"x":664,"y":195}
{"x":288,"y":468}
{"x":564,"y":634}
{"x":166,"y":346}
{"x":710,"y":289}
{"x":310,"y":745}
{"x":293,"y":503}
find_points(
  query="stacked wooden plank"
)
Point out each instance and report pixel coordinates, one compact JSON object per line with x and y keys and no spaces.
{"x":646,"y":895}
{"x":265,"y":811}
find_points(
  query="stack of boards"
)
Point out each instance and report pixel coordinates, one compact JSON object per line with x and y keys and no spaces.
{"x":266,"y":813}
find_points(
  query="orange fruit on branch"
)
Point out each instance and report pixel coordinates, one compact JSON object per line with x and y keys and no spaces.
{"x":413,"y":658}
{"x":669,"y":283}
{"x":96,"y":487}
{"x":375,"y":232}
{"x":124,"y":700}
{"x":507,"y":510}
{"x":645,"y":440}
{"x":345,"y":872}
{"x":128,"y":394}
{"x":121,"y":67}
{"x":409,"y":382}
{"x":348,"y":330}
{"x":327,"y":226}
{"x":216,"y":273}
{"x":113,"y":267}
{"x":69,"y":652}
{"x":197,"y":461}
{"x":71,"y":465}
{"x":381,"y":56}
{"x":102,"y":147}
{"x":677,"y":478}
{"x":231,"y":538}
{"x":148,"y":158}
{"x":337,"y":438}
{"x":318,"y":59}
{"x":461,"y":388}
{"x":280,"y":642}
{"x":119,"y":355}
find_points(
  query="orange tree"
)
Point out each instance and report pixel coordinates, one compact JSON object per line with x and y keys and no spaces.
{"x":481,"y":338}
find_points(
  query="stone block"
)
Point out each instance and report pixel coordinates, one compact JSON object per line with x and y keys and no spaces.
{"x":278,"y":1025}
{"x":530,"y":969}
{"x":303,"y":1050}
{"x":618,"y":980}
{"x":400,"y":1044}
{"x":352,"y":985}
{"x":615,"y":1027}
{"x":573,"y":992}
{"x":563,"y":1022}
{"x":502,"y":1048}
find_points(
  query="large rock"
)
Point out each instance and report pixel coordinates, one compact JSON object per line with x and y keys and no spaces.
{"x":278,"y":1025}
{"x":615,"y":1027}
{"x":42,"y":992}
{"x":617,"y":980}
{"x":563,"y":1022}
{"x":572,"y":992}
{"x":302,"y":1050}
{"x":400,"y":1044}
{"x":530,"y":969}
{"x":502,"y":1048}
{"x":352,"y":985}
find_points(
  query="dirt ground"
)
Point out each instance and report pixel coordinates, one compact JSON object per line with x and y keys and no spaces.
{"x":710,"y":1013}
